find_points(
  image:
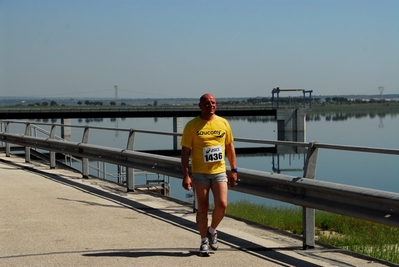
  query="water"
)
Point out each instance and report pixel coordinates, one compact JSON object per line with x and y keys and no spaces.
{"x":376,"y":171}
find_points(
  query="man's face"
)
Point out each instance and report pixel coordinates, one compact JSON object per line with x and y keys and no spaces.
{"x":208,"y":104}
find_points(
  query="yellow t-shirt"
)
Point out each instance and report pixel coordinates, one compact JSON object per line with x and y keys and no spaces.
{"x":207,"y":140}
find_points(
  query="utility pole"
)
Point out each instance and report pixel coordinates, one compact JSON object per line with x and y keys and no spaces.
{"x":116,"y":95}
{"x":381,"y":89}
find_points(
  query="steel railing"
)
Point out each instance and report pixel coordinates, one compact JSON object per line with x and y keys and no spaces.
{"x":369,"y":204}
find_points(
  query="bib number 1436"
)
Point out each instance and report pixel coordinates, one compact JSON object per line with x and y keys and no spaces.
{"x":213,"y":154}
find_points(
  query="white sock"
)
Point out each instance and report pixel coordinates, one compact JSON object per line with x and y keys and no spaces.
{"x":204,"y":239}
{"x":211,"y":230}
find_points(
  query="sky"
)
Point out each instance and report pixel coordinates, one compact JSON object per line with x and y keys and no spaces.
{"x":185,"y":48}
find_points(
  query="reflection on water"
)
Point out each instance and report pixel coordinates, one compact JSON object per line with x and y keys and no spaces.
{"x":262,"y":119}
{"x":345,"y":115}
{"x":290,"y":167}
{"x":91,"y":120}
{"x":312,"y":116}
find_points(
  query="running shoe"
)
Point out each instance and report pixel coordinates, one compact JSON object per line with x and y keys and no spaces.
{"x":213,"y":240}
{"x":204,"y":249}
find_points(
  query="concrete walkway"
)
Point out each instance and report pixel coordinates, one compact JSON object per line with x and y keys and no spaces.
{"x":56,"y":218}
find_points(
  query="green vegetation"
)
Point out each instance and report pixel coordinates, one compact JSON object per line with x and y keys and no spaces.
{"x":319,"y":103}
{"x":364,"y":237}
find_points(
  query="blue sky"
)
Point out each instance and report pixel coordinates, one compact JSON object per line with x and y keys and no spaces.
{"x":183,"y":48}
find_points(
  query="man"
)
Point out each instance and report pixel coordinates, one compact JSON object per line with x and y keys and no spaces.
{"x":208,"y":138}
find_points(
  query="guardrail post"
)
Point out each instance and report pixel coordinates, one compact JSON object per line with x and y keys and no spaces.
{"x":27,"y":149}
{"x":85,"y":161}
{"x":308,"y":215}
{"x":52,"y":153}
{"x":8,"y":145}
{"x":130,"y":171}
{"x":1,"y":130}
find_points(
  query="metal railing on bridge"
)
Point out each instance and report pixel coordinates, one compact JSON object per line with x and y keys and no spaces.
{"x":369,"y":204}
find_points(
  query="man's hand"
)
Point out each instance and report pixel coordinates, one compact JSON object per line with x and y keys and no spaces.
{"x":233,"y":179}
{"x":187,"y":182}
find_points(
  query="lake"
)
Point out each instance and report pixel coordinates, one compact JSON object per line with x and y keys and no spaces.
{"x":376,"y":171}
{"x":370,"y":170}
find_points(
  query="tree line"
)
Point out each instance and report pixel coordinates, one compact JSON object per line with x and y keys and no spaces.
{"x":249,"y":101}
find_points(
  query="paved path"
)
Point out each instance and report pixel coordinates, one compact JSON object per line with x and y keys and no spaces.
{"x":56,"y":218}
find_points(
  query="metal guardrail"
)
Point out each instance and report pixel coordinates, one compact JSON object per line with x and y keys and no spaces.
{"x":369,"y":204}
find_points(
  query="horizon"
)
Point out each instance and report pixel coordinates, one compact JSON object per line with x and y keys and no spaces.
{"x":193,"y":98}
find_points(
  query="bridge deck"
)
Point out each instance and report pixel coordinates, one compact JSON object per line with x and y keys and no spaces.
{"x":49,"y":113}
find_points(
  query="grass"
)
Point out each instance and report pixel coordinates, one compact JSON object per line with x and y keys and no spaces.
{"x":364,"y":237}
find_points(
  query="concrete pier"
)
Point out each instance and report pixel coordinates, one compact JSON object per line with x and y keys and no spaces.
{"x":66,"y":132}
{"x":291,"y":120}
{"x":178,"y":127}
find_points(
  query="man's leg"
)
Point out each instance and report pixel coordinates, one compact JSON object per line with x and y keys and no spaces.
{"x":219,"y":191}
{"x":202,"y":194}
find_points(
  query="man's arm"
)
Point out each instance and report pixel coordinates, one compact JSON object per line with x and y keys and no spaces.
{"x":185,"y":158}
{"x":231,"y":156}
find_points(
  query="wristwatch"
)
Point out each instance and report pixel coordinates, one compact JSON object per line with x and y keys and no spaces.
{"x":234,"y":170}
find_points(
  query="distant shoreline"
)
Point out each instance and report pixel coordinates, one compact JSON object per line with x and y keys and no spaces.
{"x":349,"y":96}
{"x":348,"y":103}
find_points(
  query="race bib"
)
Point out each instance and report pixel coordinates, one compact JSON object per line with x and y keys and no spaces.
{"x":212,"y":154}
